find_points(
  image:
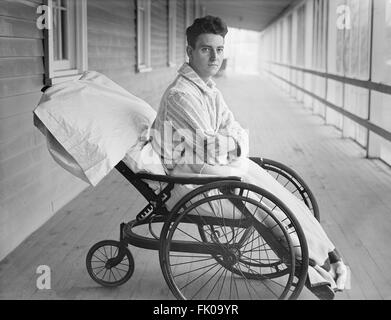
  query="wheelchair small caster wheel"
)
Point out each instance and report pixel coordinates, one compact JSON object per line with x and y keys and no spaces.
{"x":110,"y":263}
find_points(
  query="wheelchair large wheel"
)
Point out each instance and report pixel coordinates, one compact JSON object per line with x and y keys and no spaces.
{"x":250,"y":245}
{"x":110,"y":263}
{"x":288,"y":178}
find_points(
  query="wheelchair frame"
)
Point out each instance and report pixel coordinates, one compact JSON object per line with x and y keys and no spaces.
{"x":156,"y":212}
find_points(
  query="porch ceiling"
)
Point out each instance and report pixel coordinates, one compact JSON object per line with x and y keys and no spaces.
{"x":247,"y":14}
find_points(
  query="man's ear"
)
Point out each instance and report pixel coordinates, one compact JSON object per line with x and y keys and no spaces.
{"x":189,"y":51}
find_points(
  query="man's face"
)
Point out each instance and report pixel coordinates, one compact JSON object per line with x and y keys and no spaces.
{"x":207,"y":56}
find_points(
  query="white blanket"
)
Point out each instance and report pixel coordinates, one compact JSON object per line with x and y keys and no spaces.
{"x":92,"y":123}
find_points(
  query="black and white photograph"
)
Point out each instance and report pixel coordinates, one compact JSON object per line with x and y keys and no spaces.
{"x":168,"y":150}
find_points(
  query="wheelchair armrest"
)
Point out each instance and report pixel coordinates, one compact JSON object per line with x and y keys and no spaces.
{"x":258,"y":160}
{"x":198,"y":179}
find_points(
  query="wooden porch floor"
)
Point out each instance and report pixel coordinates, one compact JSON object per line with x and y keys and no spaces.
{"x":353,"y":194}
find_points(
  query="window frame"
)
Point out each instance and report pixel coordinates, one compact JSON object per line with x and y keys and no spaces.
{"x":144,"y":40}
{"x":65,"y":70}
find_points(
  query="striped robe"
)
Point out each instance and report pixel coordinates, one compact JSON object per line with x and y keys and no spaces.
{"x":194,"y":126}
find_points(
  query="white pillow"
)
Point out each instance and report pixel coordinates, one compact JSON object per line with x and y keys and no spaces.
{"x":96,"y":121}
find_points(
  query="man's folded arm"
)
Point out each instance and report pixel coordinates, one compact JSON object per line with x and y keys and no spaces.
{"x":190,"y":121}
{"x":230,"y":127}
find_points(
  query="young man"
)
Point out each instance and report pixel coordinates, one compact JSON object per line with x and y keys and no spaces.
{"x":195,"y":132}
{"x":199,"y":128}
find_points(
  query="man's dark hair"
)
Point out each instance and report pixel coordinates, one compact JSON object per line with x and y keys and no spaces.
{"x":207,"y":24}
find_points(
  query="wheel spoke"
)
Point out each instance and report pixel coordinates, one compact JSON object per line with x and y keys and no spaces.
{"x":275,"y":282}
{"x":119,"y":273}
{"x":102,"y":267}
{"x":221,"y":288}
{"x":102,"y":253}
{"x":98,"y":261}
{"x":252,"y":248}
{"x":207,"y":282}
{"x":182,"y":263}
{"x":111,"y":271}
{"x":98,"y":257}
{"x":187,"y":272}
{"x":246,"y":281}
{"x":104,"y":248}
{"x":121,"y":269}
{"x":123,"y":264}
{"x":216,"y":264}
{"x":101,"y":271}
{"x":215,"y":283}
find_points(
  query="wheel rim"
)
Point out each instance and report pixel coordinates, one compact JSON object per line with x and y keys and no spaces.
{"x":109,"y":263}
{"x":292,"y":181}
{"x":246,"y":274}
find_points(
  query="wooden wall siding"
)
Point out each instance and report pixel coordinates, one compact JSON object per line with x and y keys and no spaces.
{"x":12,"y":8}
{"x":19,"y":143}
{"x":32,"y":186}
{"x":159,"y":33}
{"x":112,"y":38}
{"x":112,"y":47}
{"x":14,"y":47}
{"x":180,"y":32}
{"x":17,"y":27}
{"x":20,"y":85}
{"x":21,"y":66}
{"x":158,"y":79}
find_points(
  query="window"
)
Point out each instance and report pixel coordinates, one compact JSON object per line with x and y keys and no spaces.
{"x":66,"y":40}
{"x":144,"y":35}
{"x":171,"y":32}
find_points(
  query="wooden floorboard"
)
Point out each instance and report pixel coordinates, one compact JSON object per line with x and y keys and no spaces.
{"x":352,"y":192}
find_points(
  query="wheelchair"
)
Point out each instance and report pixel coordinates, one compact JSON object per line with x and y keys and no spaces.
{"x":225,"y":239}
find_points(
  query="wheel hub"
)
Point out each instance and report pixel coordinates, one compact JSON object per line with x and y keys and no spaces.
{"x":232,"y":256}
{"x":110,"y":263}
